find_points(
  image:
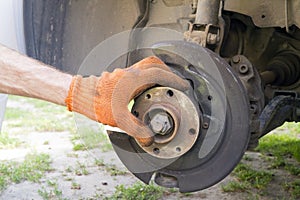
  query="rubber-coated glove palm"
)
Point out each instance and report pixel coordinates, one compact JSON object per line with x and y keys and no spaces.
{"x":105,"y":99}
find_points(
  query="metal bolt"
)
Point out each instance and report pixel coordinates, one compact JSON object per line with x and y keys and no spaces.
{"x":212,"y":38}
{"x":236,"y":59}
{"x":160,"y":123}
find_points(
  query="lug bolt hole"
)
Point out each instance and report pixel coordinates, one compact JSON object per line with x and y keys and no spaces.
{"x":178,"y":149}
{"x":148,"y":96}
{"x":192,"y":131}
{"x":170,"y":93}
{"x":209,"y":98}
{"x":156,"y":150}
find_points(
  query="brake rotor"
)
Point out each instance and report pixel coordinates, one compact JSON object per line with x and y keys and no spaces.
{"x":209,"y":124}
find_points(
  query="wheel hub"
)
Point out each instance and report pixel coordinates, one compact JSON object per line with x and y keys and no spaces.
{"x":173,"y":118}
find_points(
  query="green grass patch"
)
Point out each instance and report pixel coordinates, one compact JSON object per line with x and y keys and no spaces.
{"x":284,"y":146}
{"x":235,"y":186}
{"x":81,"y":169}
{"x":69,"y":169}
{"x":257,"y":179}
{"x":79,"y":147}
{"x":38,"y":121}
{"x":293,"y":188}
{"x":114,"y":171}
{"x":75,"y":186}
{"x":282,"y":150}
{"x":248,"y":178}
{"x":99,"y":162}
{"x":15,"y":114}
{"x":280,"y":145}
{"x":7,"y":142}
{"x":90,"y":137}
{"x":293,"y":169}
{"x":138,"y":191}
{"x":31,"y":169}
{"x":52,"y":193}
{"x":110,"y":168}
{"x":37,"y":115}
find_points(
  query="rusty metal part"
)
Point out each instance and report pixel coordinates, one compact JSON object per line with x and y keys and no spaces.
{"x":207,"y":28}
{"x":208,"y":12}
{"x":168,"y":117}
{"x":252,"y":83}
{"x":161,"y":123}
{"x":173,"y":118}
{"x":268,"y":13}
{"x":205,"y":35}
{"x":272,"y":51}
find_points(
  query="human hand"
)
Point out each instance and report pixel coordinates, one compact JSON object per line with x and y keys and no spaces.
{"x":105,"y":99}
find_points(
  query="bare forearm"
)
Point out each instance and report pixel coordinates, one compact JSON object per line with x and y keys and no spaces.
{"x":20,"y":75}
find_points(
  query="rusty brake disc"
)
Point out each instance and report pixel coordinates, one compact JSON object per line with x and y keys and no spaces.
{"x":201,"y":134}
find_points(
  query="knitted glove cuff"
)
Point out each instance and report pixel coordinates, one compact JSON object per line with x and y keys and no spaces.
{"x":81,"y":95}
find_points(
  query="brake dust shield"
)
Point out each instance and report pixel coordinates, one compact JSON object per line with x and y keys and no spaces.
{"x":201,"y":134}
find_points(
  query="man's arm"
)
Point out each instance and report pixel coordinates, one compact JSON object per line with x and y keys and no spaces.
{"x":20,"y":75}
{"x":102,"y":99}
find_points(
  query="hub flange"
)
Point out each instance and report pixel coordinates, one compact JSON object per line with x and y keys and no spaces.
{"x":173,"y":118}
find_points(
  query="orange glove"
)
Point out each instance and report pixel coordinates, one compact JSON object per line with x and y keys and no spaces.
{"x":105,"y":99}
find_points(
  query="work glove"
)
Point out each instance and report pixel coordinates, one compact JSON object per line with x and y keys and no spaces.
{"x":105,"y":99}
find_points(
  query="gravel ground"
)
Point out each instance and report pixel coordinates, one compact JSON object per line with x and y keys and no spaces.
{"x":97,"y":184}
{"x":99,"y":181}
